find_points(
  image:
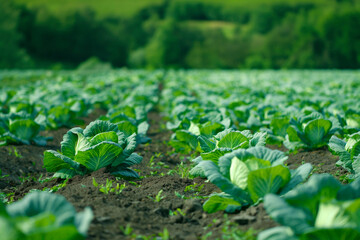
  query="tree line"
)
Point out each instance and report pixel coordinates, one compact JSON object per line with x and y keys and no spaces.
{"x":185,"y":34}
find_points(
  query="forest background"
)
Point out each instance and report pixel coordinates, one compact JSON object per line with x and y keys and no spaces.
{"x":228,"y":34}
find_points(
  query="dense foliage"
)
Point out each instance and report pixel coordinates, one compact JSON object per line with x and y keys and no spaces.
{"x":224,"y":125}
{"x":43,"y":215}
{"x":320,"y":209}
{"x":101,"y":144}
{"x":186,"y":34}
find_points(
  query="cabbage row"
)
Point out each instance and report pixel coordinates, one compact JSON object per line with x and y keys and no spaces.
{"x":226,"y":120}
{"x":109,"y":142}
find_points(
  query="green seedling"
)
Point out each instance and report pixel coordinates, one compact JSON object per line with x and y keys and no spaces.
{"x":177,"y":212}
{"x":317,"y":168}
{"x":180,"y":195}
{"x":40,"y":179}
{"x":165,"y":234}
{"x":135,"y":184}
{"x":7,"y":197}
{"x":161,"y":164}
{"x":127,"y":230}
{"x":151,"y":161}
{"x":231,"y":230}
{"x":342,"y":177}
{"x":158,"y":196}
{"x":206,"y":236}
{"x":52,"y":189}
{"x":182,"y":170}
{"x":194,"y":188}
{"x":13,"y":151}
{"x":108,"y":187}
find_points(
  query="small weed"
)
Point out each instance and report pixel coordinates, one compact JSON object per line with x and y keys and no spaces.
{"x":317,"y":168}
{"x":182,"y":170}
{"x":29,"y":177}
{"x":180,"y":196}
{"x":161,"y":164}
{"x":151,"y":161}
{"x":127,"y":230}
{"x":135,"y":184}
{"x":194,"y":188}
{"x":231,"y":231}
{"x":342,"y":177}
{"x":52,"y":189}
{"x":177,"y":212}
{"x":158,"y":196}
{"x":7,"y":197}
{"x":165,"y":234}
{"x":108,"y":187}
{"x":206,"y":236}
{"x":13,"y":151}
{"x":156,"y":166}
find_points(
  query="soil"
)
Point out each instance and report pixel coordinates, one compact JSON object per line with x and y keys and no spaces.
{"x":322,"y":160}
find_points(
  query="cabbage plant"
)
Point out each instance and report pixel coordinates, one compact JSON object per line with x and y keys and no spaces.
{"x":320,"y":209}
{"x":130,"y":120}
{"x":309,"y":132}
{"x":278,"y":130}
{"x":349,"y":153}
{"x":186,"y":140}
{"x":43,"y":215}
{"x":225,"y":142}
{"x":101,"y":144}
{"x":19,"y":128}
{"x":246,"y":175}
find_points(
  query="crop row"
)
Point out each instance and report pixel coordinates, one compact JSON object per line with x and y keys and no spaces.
{"x":225,"y":120}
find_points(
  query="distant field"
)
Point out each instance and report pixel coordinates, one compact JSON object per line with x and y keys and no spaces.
{"x":127,"y":8}
{"x":103,"y":8}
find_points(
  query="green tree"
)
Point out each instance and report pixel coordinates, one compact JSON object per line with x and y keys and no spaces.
{"x":169,"y":45}
{"x":11,"y":55}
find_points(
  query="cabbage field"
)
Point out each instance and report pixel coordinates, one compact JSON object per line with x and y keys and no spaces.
{"x":180,"y":154}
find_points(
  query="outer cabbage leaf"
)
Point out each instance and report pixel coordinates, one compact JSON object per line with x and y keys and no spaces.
{"x":54,"y":161}
{"x":321,"y":208}
{"x":284,"y":213}
{"x":98,"y":156}
{"x":277,"y":233}
{"x":206,"y":144}
{"x":316,"y":132}
{"x":25,"y":129}
{"x":233,"y":140}
{"x":220,"y":201}
{"x":99,"y":126}
{"x":267,"y":180}
{"x":43,"y":215}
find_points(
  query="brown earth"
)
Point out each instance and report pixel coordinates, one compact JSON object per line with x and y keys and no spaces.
{"x":322,"y":160}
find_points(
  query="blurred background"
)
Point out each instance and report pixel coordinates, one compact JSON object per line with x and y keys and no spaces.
{"x":227,"y":34}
